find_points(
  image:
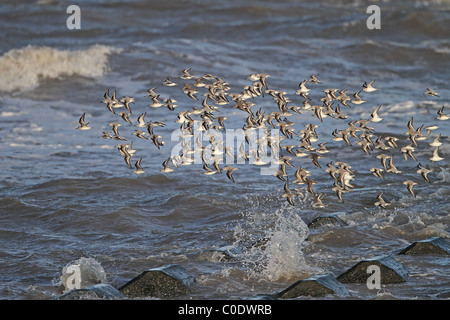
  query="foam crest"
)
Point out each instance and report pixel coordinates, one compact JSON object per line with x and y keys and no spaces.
{"x":23,"y":69}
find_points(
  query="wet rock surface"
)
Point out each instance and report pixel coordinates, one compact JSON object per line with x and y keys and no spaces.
{"x":167,"y":281}
{"x":434,"y":245}
{"x":391,"y":271}
{"x":97,"y":291}
{"x":325,"y":219}
{"x":314,"y":286}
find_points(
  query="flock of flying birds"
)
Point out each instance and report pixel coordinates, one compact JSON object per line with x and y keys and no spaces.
{"x":216,"y":95}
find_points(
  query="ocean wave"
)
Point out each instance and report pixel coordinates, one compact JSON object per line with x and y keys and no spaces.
{"x":22,"y":69}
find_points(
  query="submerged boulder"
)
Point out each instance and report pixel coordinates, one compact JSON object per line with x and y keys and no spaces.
{"x":167,"y":281}
{"x":97,"y":291}
{"x":434,"y":245}
{"x":324,"y":219}
{"x":391,"y":271}
{"x":314,"y":286}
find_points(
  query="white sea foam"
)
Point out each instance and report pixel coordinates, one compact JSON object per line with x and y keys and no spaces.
{"x":23,"y":69}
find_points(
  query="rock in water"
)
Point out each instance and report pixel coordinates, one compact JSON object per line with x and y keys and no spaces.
{"x":324,"y":219}
{"x":391,"y":271}
{"x":434,"y":245}
{"x":167,"y":281}
{"x":314,"y":286}
{"x":97,"y":291}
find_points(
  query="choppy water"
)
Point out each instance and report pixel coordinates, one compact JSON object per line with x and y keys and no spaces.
{"x":66,"y":194}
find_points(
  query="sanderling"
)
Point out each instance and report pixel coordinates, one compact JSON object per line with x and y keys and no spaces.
{"x":83,"y":124}
{"x":138,"y":167}
{"x":368,"y":87}
{"x":409,"y":185}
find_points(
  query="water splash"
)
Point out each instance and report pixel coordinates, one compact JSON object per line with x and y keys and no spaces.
{"x":273,"y":243}
{"x":81,"y":273}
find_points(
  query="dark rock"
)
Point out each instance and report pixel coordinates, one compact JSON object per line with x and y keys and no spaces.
{"x":97,"y":291}
{"x":324,"y":219}
{"x":314,"y":286}
{"x":391,"y":271}
{"x":167,"y":281}
{"x":434,"y":245}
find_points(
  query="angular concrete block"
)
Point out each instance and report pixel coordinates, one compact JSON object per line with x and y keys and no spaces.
{"x":324,"y":219}
{"x":97,"y":291}
{"x":314,"y":286}
{"x":167,"y":281}
{"x":434,"y":245}
{"x":391,"y":271}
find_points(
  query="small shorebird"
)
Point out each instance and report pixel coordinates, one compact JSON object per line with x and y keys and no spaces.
{"x":313,"y":79}
{"x":408,"y":151}
{"x":185,"y":74}
{"x":170,"y":104}
{"x":138,"y":166}
{"x":339,"y":191}
{"x":156,"y":140}
{"x":166,"y":168}
{"x":108,"y":101}
{"x":208,"y":171}
{"x":424,"y":172}
{"x":368,"y":87}
{"x":106,"y":135}
{"x":383,"y":159}
{"x":169,"y":83}
{"x":409,"y":185}
{"x":392,"y":141}
{"x":156,"y":103}
{"x":357,"y":99}
{"x":381,"y":202}
{"x":141,"y":122}
{"x":411,"y":133}
{"x":442,"y":115}
{"x":318,"y":201}
{"x":431,"y":128}
{"x":303,"y":89}
{"x":140,"y":134}
{"x":436,"y":142}
{"x":151,"y":93}
{"x":431,"y":93}
{"x":83,"y":124}
{"x":310,"y":183}
{"x":392,"y":167}
{"x":300,"y":175}
{"x":374,"y":117}
{"x":126,"y":102}
{"x":436,"y":156}
{"x":315,"y":159}
{"x":126,"y":156}
{"x":115,"y":129}
{"x":229,"y":170}
{"x":288,"y":194}
{"x":125,"y":116}
{"x":377,"y":172}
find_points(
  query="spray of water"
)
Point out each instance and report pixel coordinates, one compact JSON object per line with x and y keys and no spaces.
{"x":272,"y":243}
{"x":81,"y":273}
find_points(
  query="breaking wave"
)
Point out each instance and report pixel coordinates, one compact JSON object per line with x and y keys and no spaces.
{"x":23,"y":69}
